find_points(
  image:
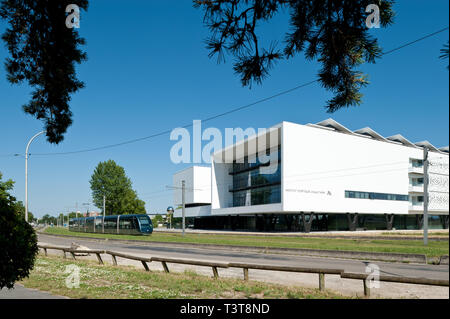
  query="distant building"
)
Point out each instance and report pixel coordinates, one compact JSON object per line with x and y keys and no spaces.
{"x":92,"y":214}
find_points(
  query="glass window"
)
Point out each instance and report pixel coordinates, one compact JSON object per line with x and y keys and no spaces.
{"x":144,"y":221}
{"x":125,"y":223}
{"x":379,"y":196}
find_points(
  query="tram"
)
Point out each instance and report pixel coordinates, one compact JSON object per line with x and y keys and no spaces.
{"x":114,"y":224}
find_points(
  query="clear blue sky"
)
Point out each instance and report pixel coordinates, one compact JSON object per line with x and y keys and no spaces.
{"x":148,"y":71}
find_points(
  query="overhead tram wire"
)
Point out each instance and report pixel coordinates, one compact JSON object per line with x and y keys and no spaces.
{"x":10,"y":155}
{"x":185,"y":126}
{"x":415,"y":41}
{"x":230,"y":111}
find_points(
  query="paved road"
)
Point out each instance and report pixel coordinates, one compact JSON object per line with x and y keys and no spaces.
{"x":153,"y":249}
{"x":20,"y":292}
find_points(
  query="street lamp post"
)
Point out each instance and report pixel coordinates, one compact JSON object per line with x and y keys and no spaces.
{"x":87,"y":204}
{"x":26,"y":174}
{"x":170,"y":211}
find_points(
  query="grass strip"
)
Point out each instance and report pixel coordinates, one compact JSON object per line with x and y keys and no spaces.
{"x":433,"y":249}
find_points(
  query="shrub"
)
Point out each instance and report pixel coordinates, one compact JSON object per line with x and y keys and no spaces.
{"x":18,"y":241}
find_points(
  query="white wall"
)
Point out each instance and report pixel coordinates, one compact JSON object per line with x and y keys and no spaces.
{"x":318,"y":165}
{"x":202,"y":184}
{"x":438,"y":185}
{"x":197,"y":211}
{"x":221,"y":181}
{"x":198,"y":185}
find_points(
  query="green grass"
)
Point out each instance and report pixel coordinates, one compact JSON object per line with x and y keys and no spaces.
{"x":417,"y":234}
{"x":114,"y":282}
{"x":434,"y":248}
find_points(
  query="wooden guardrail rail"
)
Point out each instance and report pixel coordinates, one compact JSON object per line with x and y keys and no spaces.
{"x":165,"y":260}
{"x":246,"y":266}
{"x":320,"y":271}
{"x":72,"y":251}
{"x":143,"y":260}
{"x":403,"y":280}
{"x":45,"y":247}
{"x":214,"y":265}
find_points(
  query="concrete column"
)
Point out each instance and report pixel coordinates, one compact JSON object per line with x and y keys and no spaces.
{"x":307,"y":223}
{"x":419,"y":219}
{"x":389,"y":221}
{"x":352,"y":221}
{"x":273,"y":220}
{"x":289,"y":219}
{"x":233,"y":222}
{"x":444,"y":221}
{"x":362,"y":219}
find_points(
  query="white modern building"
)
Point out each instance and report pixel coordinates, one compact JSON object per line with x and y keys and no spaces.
{"x":319,"y":176}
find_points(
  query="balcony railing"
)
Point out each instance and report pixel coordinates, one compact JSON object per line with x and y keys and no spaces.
{"x":415,"y":170}
{"x":416,"y":188}
{"x":416,"y":206}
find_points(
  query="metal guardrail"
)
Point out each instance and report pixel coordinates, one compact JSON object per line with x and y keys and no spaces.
{"x":246,"y":266}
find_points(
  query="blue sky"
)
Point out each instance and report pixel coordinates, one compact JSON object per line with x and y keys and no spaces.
{"x":148,"y":71}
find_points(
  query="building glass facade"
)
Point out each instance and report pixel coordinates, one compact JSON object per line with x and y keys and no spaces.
{"x":251,"y":186}
{"x":381,"y":196}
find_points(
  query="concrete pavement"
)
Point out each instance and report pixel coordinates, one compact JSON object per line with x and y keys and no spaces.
{"x":20,"y":292}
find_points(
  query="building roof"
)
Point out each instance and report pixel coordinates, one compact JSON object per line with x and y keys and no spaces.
{"x":401,"y":139}
{"x":334,"y":125}
{"x":428,"y":145}
{"x":369,"y":132}
{"x":331,"y":124}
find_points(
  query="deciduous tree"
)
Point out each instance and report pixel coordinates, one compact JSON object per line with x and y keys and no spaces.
{"x":110,"y":180}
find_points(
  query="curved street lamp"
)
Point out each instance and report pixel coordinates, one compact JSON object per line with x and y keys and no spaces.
{"x":26,"y":173}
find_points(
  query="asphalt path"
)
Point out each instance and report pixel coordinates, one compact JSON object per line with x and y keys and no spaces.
{"x":20,"y":292}
{"x":348,"y":265}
